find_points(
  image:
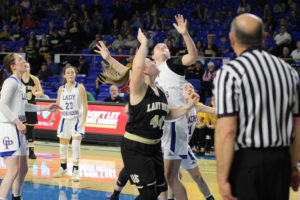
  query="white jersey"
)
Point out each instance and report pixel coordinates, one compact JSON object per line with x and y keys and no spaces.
{"x":173,"y":85}
{"x":192,"y":118}
{"x":13,"y":94}
{"x":71,"y":103}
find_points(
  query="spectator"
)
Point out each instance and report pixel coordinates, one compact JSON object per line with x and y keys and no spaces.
{"x":18,"y":35}
{"x":182,"y":50}
{"x":93,"y":44}
{"x":210,"y":50}
{"x":115,"y":29}
{"x":207,"y":14}
{"x":89,"y":96}
{"x":282,"y":39}
{"x":56,"y":42}
{"x":5,"y":34}
{"x":29,"y":22}
{"x":197,"y":14}
{"x":267,"y":10}
{"x":279,"y":7}
{"x":125,"y":28}
{"x":296,"y":53}
{"x":294,"y":18}
{"x":156,"y":25}
{"x":150,"y":42}
{"x":171,"y":47}
{"x":25,"y":4}
{"x":169,"y":37}
{"x":120,"y":57}
{"x":198,"y":71}
{"x":207,"y":81}
{"x":118,"y":42}
{"x":83,"y":66}
{"x":98,"y":21}
{"x":59,"y":11}
{"x":4,"y":48}
{"x":286,"y":55}
{"x":244,"y":7}
{"x":52,"y":66}
{"x":224,"y":46}
{"x":130,"y":61}
{"x":44,"y":73}
{"x":44,"y":49}
{"x":131,"y":42}
{"x":118,"y":11}
{"x":114,"y":95}
{"x":95,"y":6}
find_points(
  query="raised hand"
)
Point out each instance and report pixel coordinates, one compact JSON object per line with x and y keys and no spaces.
{"x":141,"y":37}
{"x":181,"y":24}
{"x":102,"y":50}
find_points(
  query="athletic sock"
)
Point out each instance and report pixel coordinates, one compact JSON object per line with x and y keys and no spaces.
{"x":63,"y":165}
{"x":210,"y":197}
{"x":75,"y":167}
{"x":31,"y":149}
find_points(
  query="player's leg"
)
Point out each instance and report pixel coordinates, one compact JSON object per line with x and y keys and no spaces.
{"x":19,"y":180}
{"x":171,"y":173}
{"x":122,"y":180}
{"x":76,"y":141}
{"x":12,"y":171}
{"x":63,"y":153}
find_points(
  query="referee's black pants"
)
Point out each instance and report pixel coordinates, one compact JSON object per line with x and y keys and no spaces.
{"x":261,"y":174}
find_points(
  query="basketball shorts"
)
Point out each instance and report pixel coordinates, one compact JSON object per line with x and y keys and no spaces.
{"x":68,"y":128}
{"x":143,"y":164}
{"x":175,"y":140}
{"x":191,"y":161}
{"x":12,"y":142}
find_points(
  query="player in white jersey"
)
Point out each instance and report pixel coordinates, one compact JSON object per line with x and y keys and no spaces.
{"x":72,"y":98}
{"x":13,"y":145}
{"x":191,"y":163}
{"x":171,"y":79}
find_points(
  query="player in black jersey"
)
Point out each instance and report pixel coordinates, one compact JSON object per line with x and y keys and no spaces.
{"x":148,"y":107}
{"x":33,"y":89}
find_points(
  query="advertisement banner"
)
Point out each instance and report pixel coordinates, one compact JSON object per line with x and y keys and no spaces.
{"x":104,"y":119}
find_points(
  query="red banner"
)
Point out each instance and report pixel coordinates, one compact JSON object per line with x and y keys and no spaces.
{"x":104,"y":119}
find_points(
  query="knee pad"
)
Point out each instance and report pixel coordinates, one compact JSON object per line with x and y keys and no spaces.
{"x":63,"y":151}
{"x":147,"y":193}
{"x":123,"y":178}
{"x":161,"y":188}
{"x":76,"y":150}
{"x":29,"y":133}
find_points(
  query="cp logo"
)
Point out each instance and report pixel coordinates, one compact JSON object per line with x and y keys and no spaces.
{"x":7,"y":141}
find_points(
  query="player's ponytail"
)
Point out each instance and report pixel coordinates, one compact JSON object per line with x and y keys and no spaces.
{"x":8,"y":60}
{"x":111,"y":76}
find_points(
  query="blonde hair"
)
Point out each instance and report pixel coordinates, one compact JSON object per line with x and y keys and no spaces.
{"x":111,"y":76}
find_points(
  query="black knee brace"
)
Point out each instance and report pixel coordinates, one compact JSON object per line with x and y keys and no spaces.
{"x":29,"y":133}
{"x":147,"y":193}
{"x":123,"y":178}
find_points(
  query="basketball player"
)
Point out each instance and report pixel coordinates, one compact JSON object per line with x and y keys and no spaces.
{"x":13,"y":145}
{"x":72,"y":98}
{"x":140,"y":146}
{"x":172,"y":79}
{"x":33,"y":89}
{"x":191,"y":163}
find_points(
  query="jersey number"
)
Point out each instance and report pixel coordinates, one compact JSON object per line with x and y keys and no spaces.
{"x":156,"y":122}
{"x":69,"y":106}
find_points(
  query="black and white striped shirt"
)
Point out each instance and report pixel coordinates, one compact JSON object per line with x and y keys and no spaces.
{"x":263,"y":92}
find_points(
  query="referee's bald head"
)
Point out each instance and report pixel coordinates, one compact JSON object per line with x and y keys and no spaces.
{"x":247,"y":30}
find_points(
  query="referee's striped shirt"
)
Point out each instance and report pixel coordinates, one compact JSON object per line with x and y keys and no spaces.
{"x":263,"y":92}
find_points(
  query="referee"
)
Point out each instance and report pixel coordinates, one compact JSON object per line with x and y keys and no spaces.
{"x":257,"y":136}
